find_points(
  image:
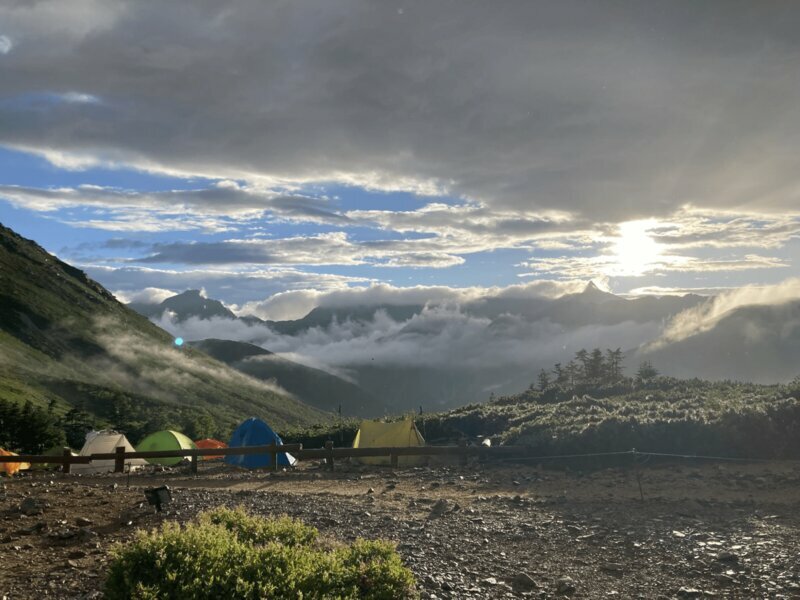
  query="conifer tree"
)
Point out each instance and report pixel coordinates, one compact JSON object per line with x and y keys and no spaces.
{"x":544,"y":380}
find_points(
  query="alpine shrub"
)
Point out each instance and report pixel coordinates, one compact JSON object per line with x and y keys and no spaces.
{"x":231,"y":554}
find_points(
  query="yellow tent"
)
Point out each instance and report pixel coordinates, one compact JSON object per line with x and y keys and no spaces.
{"x":10,"y":468}
{"x":374,"y":434}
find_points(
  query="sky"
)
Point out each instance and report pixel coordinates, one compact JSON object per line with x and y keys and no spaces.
{"x":255,"y":149}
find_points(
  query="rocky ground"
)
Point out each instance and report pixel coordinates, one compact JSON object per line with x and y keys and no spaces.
{"x":481,"y":531}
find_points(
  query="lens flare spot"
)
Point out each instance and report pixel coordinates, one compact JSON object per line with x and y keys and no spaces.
{"x":179,"y":341}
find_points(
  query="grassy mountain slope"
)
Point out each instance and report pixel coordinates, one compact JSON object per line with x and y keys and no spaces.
{"x":66,"y":341}
{"x":752,"y":343}
{"x":313,"y":386}
{"x":664,"y":415}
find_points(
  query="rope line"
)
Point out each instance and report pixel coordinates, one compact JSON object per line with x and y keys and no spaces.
{"x":637,"y":453}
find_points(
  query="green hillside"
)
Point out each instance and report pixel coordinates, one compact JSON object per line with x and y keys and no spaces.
{"x":312,"y":386}
{"x":662,"y":415}
{"x":65,"y":342}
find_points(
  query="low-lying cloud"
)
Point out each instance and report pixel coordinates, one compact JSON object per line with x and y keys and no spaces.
{"x":295,"y":304}
{"x":441,"y":336}
{"x":705,"y":316}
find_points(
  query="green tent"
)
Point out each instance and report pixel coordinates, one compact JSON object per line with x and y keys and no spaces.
{"x":165,"y":440}
{"x":54,"y":451}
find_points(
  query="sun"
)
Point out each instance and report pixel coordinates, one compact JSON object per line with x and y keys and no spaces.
{"x":635,"y":252}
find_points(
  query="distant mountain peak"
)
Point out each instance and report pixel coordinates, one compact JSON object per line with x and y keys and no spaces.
{"x":190,"y":294}
{"x":192,"y":303}
{"x":593,"y":292}
{"x":591,"y":288}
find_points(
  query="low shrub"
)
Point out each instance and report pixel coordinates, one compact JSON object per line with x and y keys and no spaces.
{"x":231,"y":554}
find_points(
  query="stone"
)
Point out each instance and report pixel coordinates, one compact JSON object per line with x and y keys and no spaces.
{"x":726,"y":556}
{"x":566,"y":586}
{"x":610,"y":567}
{"x":689,"y":592}
{"x":30,"y":506}
{"x":83,"y":522}
{"x":522,"y":582}
{"x":439,"y":508}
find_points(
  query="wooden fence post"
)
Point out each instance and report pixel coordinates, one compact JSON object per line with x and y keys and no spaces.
{"x":65,"y":466}
{"x":329,"y":448}
{"x":119,"y":461}
{"x":273,"y":452}
{"x":194,"y":463}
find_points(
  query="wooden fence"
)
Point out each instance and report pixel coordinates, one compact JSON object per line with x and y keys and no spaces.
{"x":328,"y":453}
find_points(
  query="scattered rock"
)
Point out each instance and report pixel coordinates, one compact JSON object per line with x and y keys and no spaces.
{"x":31,"y":506}
{"x":726,"y":556}
{"x":566,"y":586}
{"x":522,"y":582}
{"x":441,"y":507}
{"x":615,"y":568}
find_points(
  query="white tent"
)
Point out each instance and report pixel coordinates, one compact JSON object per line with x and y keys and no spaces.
{"x":102,"y":442}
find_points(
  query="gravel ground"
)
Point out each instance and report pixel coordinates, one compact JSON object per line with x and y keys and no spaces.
{"x":480,"y":531}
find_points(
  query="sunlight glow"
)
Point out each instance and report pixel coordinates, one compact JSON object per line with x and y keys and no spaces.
{"x":635,"y":252}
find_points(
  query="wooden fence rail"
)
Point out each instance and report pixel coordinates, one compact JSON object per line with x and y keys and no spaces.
{"x":328,"y":453}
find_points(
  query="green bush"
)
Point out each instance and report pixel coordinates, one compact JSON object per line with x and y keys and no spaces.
{"x":231,"y":554}
{"x":256,"y":530}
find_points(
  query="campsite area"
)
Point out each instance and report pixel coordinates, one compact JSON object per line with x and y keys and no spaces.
{"x":487,"y":530}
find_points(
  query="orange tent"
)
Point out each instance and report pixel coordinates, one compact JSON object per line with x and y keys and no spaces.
{"x":210,"y":443}
{"x":10,"y":468}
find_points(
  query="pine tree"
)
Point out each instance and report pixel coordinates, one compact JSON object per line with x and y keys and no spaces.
{"x":572,"y":373}
{"x":646,"y":371}
{"x":560,"y":375}
{"x":544,"y":380}
{"x":595,"y":366}
{"x":582,"y":360}
{"x":614,"y":365}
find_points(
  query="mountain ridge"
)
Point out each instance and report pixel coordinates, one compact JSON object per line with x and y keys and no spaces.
{"x":66,"y":341}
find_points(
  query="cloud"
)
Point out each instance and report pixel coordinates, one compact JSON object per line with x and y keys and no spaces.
{"x":439,"y":337}
{"x":657,"y":290}
{"x":295,"y":304}
{"x":559,"y":107}
{"x":149,"y":295}
{"x":587,"y":267}
{"x":704,"y":317}
{"x":335,"y":248}
{"x":148,"y":367}
{"x":235,"y":287}
{"x":691,"y":229}
{"x":5,"y":44}
{"x":215,"y":208}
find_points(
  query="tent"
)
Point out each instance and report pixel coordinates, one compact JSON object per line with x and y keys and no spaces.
{"x":254,"y":432}
{"x":374,"y":434}
{"x":11,"y":468}
{"x":102,"y":442}
{"x":54,"y":451}
{"x":207,"y":443}
{"x":165,"y":440}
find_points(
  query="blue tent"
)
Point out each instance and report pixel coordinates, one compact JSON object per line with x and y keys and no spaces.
{"x":254,"y":432}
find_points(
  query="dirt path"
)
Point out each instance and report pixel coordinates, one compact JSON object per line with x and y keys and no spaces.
{"x":475,"y":532}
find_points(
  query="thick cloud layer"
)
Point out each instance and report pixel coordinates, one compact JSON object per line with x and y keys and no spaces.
{"x":609,"y":110}
{"x":440,"y":337}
